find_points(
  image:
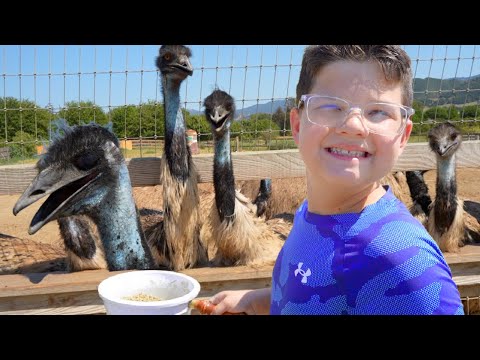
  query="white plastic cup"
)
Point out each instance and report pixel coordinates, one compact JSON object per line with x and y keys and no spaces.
{"x":175,"y":289}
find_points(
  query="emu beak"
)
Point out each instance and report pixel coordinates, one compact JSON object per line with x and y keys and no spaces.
{"x":443,"y":149}
{"x":46,"y":182}
{"x":61,"y":184}
{"x":184,"y":64}
{"x":219,"y":117}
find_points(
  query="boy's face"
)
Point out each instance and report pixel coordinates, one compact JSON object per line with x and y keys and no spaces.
{"x":349,"y":155}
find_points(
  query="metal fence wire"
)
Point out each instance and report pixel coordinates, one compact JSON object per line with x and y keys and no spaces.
{"x":120,"y":84}
{"x":471,"y":305}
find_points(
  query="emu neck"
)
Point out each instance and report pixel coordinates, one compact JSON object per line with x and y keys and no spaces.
{"x":223,"y":179}
{"x":120,"y":229}
{"x":446,"y":193}
{"x":176,"y":149}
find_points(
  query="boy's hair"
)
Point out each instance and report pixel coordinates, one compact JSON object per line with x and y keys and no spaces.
{"x":393,"y":60}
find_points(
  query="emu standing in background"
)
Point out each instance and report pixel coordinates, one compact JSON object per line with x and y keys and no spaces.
{"x":286,"y":194}
{"x":239,"y":236}
{"x":176,"y":242}
{"x":264,"y":194}
{"x":421,"y":200}
{"x":84,"y":173}
{"x":450,"y":221}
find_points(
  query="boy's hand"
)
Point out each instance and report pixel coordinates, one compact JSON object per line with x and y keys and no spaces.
{"x":250,"y":302}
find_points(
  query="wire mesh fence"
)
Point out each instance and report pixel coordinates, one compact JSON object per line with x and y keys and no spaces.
{"x":471,"y":305}
{"x":120,"y":84}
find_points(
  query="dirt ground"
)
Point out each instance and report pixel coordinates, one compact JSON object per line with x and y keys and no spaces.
{"x":468,"y":181}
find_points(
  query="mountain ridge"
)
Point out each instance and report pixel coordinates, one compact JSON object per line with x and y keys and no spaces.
{"x":456,"y":91}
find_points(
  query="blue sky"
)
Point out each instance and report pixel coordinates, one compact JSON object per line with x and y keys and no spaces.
{"x":249,"y":73}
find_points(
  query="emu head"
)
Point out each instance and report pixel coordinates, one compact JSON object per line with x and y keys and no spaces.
{"x":173,"y":62}
{"x":219,"y":110}
{"x":444,"y":139}
{"x":77,"y":172}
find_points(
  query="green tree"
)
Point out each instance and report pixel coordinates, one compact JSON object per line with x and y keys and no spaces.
{"x":418,"y":107}
{"x":282,"y":118}
{"x":125,"y":121}
{"x":290,"y":104}
{"x":131,"y":121}
{"x":200,"y":125}
{"x":82,"y":112}
{"x":279,"y":117}
{"x":23,"y":116}
{"x":258,"y":126}
{"x":22,"y":145}
{"x":151,"y":119}
{"x":470,"y":112}
{"x":436,"y":113}
{"x":453,"y":113}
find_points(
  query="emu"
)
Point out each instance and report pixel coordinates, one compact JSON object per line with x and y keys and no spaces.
{"x":288,"y":193}
{"x":176,"y":241}
{"x":83,"y":248}
{"x":421,"y":200}
{"x":264,"y":194}
{"x":239,"y":236}
{"x":84,"y":173}
{"x":452,"y":222}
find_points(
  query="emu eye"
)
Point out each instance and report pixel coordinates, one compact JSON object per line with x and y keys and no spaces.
{"x":86,"y":161}
{"x":453,"y":137}
{"x":167,"y":57}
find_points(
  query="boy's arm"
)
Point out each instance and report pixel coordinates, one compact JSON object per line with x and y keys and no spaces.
{"x":429,"y":286}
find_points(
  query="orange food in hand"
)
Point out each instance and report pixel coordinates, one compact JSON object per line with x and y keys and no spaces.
{"x":205,"y":307}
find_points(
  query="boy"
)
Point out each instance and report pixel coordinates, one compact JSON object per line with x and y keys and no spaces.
{"x":354,"y":248}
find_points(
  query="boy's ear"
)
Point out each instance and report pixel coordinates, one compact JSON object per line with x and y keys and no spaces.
{"x":406,"y":134}
{"x":295,"y":124}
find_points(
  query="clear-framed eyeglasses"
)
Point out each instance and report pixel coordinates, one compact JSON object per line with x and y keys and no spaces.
{"x":381,"y":118}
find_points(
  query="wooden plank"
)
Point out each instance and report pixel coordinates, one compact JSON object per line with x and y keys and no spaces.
{"x":468,"y":285}
{"x":76,"y":303}
{"x":465,"y":254}
{"x":76,"y":293}
{"x":467,"y":260}
{"x":464,"y":263}
{"x":247,"y":166}
{"x":65,"y":310}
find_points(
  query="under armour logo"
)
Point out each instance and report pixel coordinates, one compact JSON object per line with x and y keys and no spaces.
{"x":302,"y":272}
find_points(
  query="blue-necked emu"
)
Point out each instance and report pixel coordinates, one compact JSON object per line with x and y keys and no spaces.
{"x":452,"y":222}
{"x":176,"y":242}
{"x":240,"y":237}
{"x":84,"y":173}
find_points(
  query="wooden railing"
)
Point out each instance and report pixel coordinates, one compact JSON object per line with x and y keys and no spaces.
{"x":248,"y":166}
{"x":76,"y":293}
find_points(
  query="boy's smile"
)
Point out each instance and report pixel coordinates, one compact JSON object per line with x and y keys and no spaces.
{"x":348,"y":151}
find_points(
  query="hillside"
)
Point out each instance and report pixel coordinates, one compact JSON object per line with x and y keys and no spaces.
{"x":453,"y":91}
